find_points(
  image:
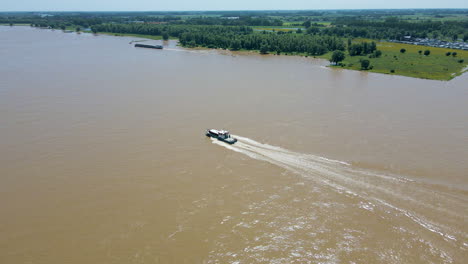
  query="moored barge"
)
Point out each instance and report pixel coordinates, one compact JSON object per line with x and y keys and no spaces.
{"x":138,"y":45}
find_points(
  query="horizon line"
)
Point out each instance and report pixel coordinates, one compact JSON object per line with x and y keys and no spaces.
{"x":237,"y":10}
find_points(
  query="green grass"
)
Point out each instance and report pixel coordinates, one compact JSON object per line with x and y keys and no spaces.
{"x":436,"y":66}
{"x":322,"y":23}
{"x":71,"y":28}
{"x":292,"y":23}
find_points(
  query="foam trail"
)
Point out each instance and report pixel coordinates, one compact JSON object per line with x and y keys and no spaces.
{"x":342,"y":177}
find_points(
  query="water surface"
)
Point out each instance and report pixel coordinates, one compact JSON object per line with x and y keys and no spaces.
{"x":103,"y":158}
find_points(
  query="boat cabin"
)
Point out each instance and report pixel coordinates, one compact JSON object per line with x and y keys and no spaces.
{"x":219,"y":133}
{"x":222,"y":135}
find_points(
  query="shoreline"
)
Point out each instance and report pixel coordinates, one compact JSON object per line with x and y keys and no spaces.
{"x":352,"y":62}
{"x":411,"y":73}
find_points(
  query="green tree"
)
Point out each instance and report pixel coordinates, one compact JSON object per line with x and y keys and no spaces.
{"x":165,"y":35}
{"x":94,"y":29}
{"x":236,"y":44}
{"x":63,"y":27}
{"x":427,"y":52}
{"x":448,"y":53}
{"x":355,"y":49}
{"x":78,"y":29}
{"x":299,"y":31}
{"x":263,"y":49}
{"x":220,"y":36}
{"x":454,"y":54}
{"x":403,"y":50}
{"x":307,"y":24}
{"x":337,"y":56}
{"x":455,"y":37}
{"x":11,"y":24}
{"x":312,"y":30}
{"x":419,"y":51}
{"x":363,"y":48}
{"x":365,"y":64}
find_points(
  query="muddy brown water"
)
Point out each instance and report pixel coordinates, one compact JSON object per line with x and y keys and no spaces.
{"x":103,"y":157}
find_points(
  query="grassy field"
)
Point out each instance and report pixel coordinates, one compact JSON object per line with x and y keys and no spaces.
{"x":436,"y":66}
{"x":292,"y":23}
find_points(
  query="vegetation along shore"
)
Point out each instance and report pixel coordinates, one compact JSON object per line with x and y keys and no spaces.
{"x":351,"y":39}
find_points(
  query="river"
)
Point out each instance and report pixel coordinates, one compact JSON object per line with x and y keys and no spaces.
{"x":103,"y":157}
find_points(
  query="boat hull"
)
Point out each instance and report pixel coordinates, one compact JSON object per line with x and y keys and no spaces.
{"x":149,"y":46}
{"x":227,"y":140}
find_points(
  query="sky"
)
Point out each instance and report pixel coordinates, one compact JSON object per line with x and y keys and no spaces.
{"x":187,"y":5}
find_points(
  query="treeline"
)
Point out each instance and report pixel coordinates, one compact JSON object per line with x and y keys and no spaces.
{"x":84,"y":20}
{"x":88,"y":19}
{"x":54,"y":21}
{"x":266,"y":42}
{"x":172,"y":30}
{"x":363,"y":48}
{"x":232,"y":21}
{"x":393,"y":28}
{"x":232,"y":37}
{"x":154,"y":19}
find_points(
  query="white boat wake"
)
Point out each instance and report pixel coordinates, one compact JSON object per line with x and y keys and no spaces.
{"x":417,"y":201}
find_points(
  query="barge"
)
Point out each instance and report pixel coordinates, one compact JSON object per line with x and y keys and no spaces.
{"x":148,"y":46}
{"x":221,"y":135}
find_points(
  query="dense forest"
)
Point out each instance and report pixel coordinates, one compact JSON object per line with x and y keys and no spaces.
{"x":58,"y":21}
{"x":311,"y":31}
{"x":171,"y":30}
{"x":232,"y":37}
{"x":266,"y":42}
{"x":394,"y":28}
{"x":384,"y":41}
{"x":234,"y":21}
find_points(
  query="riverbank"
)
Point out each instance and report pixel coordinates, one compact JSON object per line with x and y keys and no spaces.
{"x":411,"y":63}
{"x":440,"y":64}
{"x":436,"y":66}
